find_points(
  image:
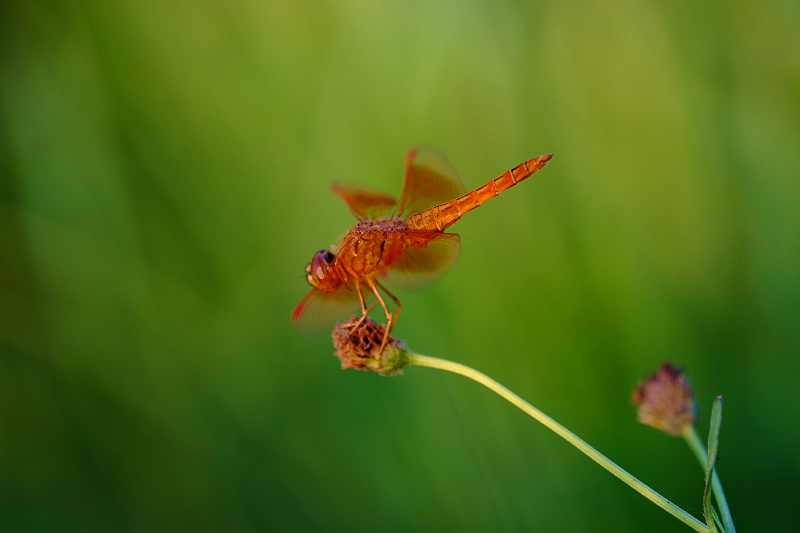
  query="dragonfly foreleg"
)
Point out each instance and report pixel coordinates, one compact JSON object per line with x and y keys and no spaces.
{"x":364,"y":309}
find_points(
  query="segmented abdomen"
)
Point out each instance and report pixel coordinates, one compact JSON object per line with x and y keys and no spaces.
{"x":439,"y":217}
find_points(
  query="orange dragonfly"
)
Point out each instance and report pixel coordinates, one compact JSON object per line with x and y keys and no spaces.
{"x":400,"y":242}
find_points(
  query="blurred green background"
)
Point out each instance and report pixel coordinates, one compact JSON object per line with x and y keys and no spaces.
{"x":164,"y":179}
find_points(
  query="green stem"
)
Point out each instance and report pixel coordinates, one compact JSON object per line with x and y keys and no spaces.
{"x":602,"y":460}
{"x":696,"y":445}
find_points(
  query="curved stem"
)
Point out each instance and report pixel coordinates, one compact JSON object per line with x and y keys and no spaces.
{"x":602,"y":460}
{"x":696,"y":445}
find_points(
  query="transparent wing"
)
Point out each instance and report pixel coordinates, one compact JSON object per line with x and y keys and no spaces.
{"x":320,"y":310}
{"x":430,"y":256}
{"x":365,"y":204}
{"x":430,"y":179}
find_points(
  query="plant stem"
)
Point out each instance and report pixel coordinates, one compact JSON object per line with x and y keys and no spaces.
{"x":602,"y":460}
{"x":696,"y":445}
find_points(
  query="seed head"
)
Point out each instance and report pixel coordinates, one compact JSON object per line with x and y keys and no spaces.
{"x":359,"y":348}
{"x":666,"y":400}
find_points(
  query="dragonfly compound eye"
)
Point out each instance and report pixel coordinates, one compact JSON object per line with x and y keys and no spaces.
{"x":319,"y":271}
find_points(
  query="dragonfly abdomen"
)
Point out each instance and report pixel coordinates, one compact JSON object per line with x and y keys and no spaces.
{"x":439,"y":217}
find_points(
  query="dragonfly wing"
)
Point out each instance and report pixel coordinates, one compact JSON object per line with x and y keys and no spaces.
{"x":365,"y":204}
{"x":320,"y":310}
{"x":430,"y":179}
{"x":430,"y":255}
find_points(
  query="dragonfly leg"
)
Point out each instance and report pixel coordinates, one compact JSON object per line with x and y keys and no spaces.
{"x":394,"y":299}
{"x":364,"y":309}
{"x":392,"y":318}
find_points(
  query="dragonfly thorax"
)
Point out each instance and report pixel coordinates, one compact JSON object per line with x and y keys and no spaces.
{"x":370,"y":247}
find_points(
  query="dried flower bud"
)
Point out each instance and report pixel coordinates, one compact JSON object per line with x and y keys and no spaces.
{"x":360,"y":348}
{"x":666,"y":400}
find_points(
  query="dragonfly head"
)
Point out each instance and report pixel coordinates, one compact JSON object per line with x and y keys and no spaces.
{"x":320,"y":272}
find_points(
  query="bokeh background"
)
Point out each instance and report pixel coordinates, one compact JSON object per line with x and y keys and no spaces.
{"x":164,"y":179}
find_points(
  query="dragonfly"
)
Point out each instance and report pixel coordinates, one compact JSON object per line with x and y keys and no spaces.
{"x":397,"y":241}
